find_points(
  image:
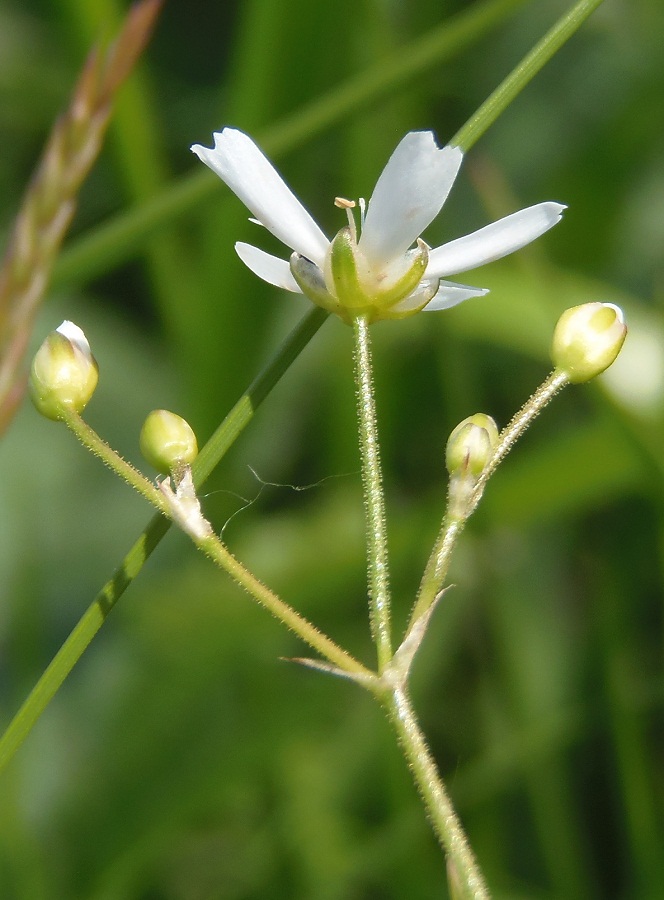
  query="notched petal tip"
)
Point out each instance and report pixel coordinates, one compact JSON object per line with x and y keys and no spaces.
{"x":243,"y":166}
{"x":408,"y":196}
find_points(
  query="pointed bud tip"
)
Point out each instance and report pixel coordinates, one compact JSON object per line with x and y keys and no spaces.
{"x":587,"y":340}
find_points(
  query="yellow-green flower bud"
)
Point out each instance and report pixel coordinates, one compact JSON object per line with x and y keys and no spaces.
{"x":64,"y":372}
{"x":470,"y":446}
{"x":167,"y":441}
{"x":587,"y":339}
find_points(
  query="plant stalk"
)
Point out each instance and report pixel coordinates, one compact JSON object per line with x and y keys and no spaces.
{"x":374,"y":501}
{"x":446,"y":823}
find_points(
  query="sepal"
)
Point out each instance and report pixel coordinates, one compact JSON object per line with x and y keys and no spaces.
{"x":311,"y":282}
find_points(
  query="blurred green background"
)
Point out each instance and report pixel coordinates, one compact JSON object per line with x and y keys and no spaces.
{"x":184,"y":759}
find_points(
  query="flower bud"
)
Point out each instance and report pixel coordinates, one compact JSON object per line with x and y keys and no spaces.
{"x":64,"y":372}
{"x":167,"y":441}
{"x":470,"y":446}
{"x":587,"y":339}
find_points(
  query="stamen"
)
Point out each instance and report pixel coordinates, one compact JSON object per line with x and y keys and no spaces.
{"x":348,"y":205}
{"x":363,"y":209}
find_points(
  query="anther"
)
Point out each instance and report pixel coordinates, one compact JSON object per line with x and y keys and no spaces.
{"x":348,"y":205}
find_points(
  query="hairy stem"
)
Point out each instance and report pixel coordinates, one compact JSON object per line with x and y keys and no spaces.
{"x":516,"y":427}
{"x":437,"y":567}
{"x":452,"y":525}
{"x":444,"y":819}
{"x":217,"y":551}
{"x":92,"y":442}
{"x":374,"y":502}
{"x":207,"y":541}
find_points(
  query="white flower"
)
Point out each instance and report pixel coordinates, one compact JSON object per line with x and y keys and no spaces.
{"x":380,"y":274}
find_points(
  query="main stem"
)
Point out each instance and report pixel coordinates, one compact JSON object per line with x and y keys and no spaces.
{"x":374,"y":503}
{"x":444,"y":819}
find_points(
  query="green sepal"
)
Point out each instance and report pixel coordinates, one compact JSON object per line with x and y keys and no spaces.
{"x":311,"y":282}
{"x":418,"y":258}
{"x":425,"y":293}
{"x":343,"y":265}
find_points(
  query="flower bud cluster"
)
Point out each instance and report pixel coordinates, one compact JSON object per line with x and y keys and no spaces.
{"x":586,"y":341}
{"x":63,"y":378}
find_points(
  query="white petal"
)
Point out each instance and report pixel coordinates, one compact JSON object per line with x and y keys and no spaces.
{"x":250,"y":175}
{"x":408,"y":195}
{"x":449,"y":294}
{"x":270,"y":268}
{"x":419,"y":298}
{"x":494,"y":241}
{"x":74,"y":335}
